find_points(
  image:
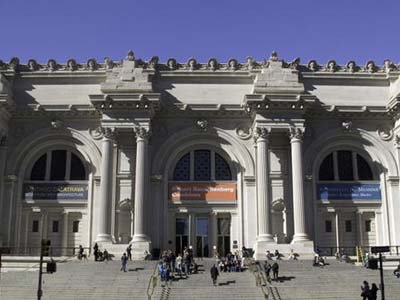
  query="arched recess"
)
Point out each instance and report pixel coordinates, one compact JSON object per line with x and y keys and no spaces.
{"x":233,"y":150}
{"x":380,"y":159}
{"x":28,"y":150}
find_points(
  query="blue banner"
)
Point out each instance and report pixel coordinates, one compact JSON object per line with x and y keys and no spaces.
{"x":55,"y":191}
{"x":349,"y":191}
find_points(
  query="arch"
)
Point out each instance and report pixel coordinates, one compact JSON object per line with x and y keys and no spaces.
{"x":168,"y":153}
{"x":29,"y":148}
{"x":381,"y":160}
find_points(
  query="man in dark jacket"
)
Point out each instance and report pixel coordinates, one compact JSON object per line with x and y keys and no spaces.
{"x":214,"y":274}
{"x":275,"y":270}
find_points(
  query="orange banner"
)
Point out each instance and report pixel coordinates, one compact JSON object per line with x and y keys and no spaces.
{"x":202,"y":191}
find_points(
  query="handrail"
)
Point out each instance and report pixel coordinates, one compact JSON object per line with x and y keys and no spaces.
{"x":152,"y":283}
{"x":258,"y":274}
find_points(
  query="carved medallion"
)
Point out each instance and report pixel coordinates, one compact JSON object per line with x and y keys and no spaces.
{"x":244,"y":132}
{"x":385,"y":133}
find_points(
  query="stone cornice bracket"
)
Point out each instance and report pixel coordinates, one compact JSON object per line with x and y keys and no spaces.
{"x":261,"y":133}
{"x":296,"y":134}
{"x":142,"y":133}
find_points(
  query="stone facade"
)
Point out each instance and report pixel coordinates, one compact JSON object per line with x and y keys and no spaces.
{"x":92,"y":152}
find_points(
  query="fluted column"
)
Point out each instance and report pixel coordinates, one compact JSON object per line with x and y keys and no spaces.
{"x":296,"y":141}
{"x":142,"y":138}
{"x":263,"y":201}
{"x":104,"y":216}
{"x":3,"y":153}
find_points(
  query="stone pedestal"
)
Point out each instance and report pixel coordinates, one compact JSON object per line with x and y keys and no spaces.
{"x":140,"y":249}
{"x":304,"y":249}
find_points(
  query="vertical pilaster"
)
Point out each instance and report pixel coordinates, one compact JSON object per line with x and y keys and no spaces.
{"x":213,"y":232}
{"x":296,"y":141}
{"x":104,"y":217}
{"x":3,"y":153}
{"x":64,"y":242}
{"x":359,"y":220}
{"x":337,"y":229}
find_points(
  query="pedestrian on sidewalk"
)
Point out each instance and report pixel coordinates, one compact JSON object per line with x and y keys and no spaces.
{"x":124,"y":261}
{"x":365,"y":291}
{"x":214,"y":274}
{"x":96,"y":251}
{"x":373,"y":291}
{"x":129,"y":252}
{"x":275,"y":271}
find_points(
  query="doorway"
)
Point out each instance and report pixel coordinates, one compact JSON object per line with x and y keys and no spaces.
{"x":202,"y":244}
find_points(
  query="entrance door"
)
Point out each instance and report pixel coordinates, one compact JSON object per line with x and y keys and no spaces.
{"x":224,"y":237}
{"x":182,"y":234}
{"x":202,"y":247}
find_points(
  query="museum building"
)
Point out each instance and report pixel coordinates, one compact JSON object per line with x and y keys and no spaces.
{"x":213,"y":156}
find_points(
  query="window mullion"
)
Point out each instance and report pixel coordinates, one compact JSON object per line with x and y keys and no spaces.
{"x":68,"y":166}
{"x":191,"y":165}
{"x":48,"y":166}
{"x":212,"y":166}
{"x":335,"y":166}
{"x":355,"y":166}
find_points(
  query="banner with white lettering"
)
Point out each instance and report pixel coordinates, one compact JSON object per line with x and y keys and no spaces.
{"x":349,"y":191}
{"x":55,"y":191}
{"x":224,"y":192}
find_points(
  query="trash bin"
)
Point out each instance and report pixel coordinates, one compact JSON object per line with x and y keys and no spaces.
{"x":373,"y":264}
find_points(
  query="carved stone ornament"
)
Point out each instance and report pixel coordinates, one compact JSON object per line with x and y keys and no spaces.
{"x":96,"y":133}
{"x":153,"y":62}
{"x":142,"y":132}
{"x":313,"y":66}
{"x":397,"y":140}
{"x":192,"y":64}
{"x":233,"y":64}
{"x":108,"y":63}
{"x":370,"y":66}
{"x":56,"y":124}
{"x":202,"y":124}
{"x":244,"y":132}
{"x":296,"y":133}
{"x":295,"y":63}
{"x":71,"y":65}
{"x":130,"y":56}
{"x":171,"y":63}
{"x":14,"y":63}
{"x":387,"y":65}
{"x":261,"y":132}
{"x":331,"y":66}
{"x":32,"y":65}
{"x":385,"y":133}
{"x":91,"y":64}
{"x":250,"y":63}
{"x":273,"y":56}
{"x":52,"y":65}
{"x":347,"y":125}
{"x":108,"y":133}
{"x":351,"y":66}
{"x":212,"y":64}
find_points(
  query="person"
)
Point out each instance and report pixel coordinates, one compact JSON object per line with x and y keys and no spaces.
{"x":396,"y":272}
{"x":275,"y":271}
{"x":292,"y":255}
{"x":365,"y":290}
{"x":80,"y":252}
{"x":129,"y":251}
{"x":214,"y":274}
{"x":268,"y":255}
{"x":178,"y":265}
{"x":277,"y":255}
{"x":267,"y":270}
{"x":161,"y":271}
{"x":106,"y":256}
{"x":124,"y":261}
{"x":96,"y":251}
{"x":373,"y":291}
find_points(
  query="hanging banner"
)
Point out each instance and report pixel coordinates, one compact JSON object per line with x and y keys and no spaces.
{"x":349,"y":191}
{"x":202,"y":192}
{"x":55,"y":191}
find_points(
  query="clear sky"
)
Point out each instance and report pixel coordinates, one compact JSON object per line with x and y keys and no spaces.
{"x":309,"y":29}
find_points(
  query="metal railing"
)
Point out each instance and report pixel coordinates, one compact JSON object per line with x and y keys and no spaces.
{"x":261,"y":281}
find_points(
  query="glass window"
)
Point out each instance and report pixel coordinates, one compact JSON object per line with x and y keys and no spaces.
{"x":363,"y":169}
{"x":222,"y":170}
{"x":182,"y":227}
{"x":223,"y":225}
{"x":58,"y":164}
{"x":345,"y":165}
{"x":348,"y":225}
{"x":77,"y":168}
{"x":75,"y":226}
{"x":328,"y":226}
{"x":182,"y":169}
{"x":55,"y":226}
{"x":202,"y":165}
{"x":368,"y":226}
{"x":39,"y":168}
{"x":326,"y":169}
{"x":35,"y":226}
{"x":201,"y":226}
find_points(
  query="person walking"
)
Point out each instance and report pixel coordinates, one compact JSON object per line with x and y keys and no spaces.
{"x":267,"y":270}
{"x":275,"y":271}
{"x":129,"y":252}
{"x":124,"y":261}
{"x":214,"y":274}
{"x":373,"y":292}
{"x":365,"y":291}
{"x":96,"y":251}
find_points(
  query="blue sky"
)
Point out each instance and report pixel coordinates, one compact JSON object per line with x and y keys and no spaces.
{"x":309,"y":29}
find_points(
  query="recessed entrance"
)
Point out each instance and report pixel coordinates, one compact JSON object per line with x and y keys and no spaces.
{"x":182,"y":234}
{"x":202,"y":244}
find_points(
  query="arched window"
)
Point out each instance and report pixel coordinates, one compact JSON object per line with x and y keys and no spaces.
{"x":345,"y":165}
{"x":58,"y":165}
{"x":202,"y":165}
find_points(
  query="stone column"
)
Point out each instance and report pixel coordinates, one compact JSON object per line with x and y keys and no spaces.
{"x":213,"y":232}
{"x":296,"y":141}
{"x":359,"y":226}
{"x":140,"y":241}
{"x":104,"y":213}
{"x":3,"y":152}
{"x":263,"y":201}
{"x":65,"y":234}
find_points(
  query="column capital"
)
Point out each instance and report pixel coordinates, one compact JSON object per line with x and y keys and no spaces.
{"x":261,"y":133}
{"x":141,"y":133}
{"x":296,"y":134}
{"x":108,"y":133}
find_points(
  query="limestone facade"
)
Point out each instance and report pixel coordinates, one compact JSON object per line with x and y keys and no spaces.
{"x":267,"y":155}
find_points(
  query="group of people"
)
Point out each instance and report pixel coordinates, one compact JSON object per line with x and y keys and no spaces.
{"x":232,"y":262}
{"x":275,"y":271}
{"x":180,"y":265}
{"x":369,"y":293}
{"x":99,"y":255}
{"x":273,"y":256}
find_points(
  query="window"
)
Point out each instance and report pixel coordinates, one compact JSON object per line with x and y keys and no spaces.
{"x":35,"y":226}
{"x":348,"y":225}
{"x":63,"y":165}
{"x":344,"y":165}
{"x":328,"y":226}
{"x":55,"y":226}
{"x":368,"y":226}
{"x":75,"y":226}
{"x":202,"y":165}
